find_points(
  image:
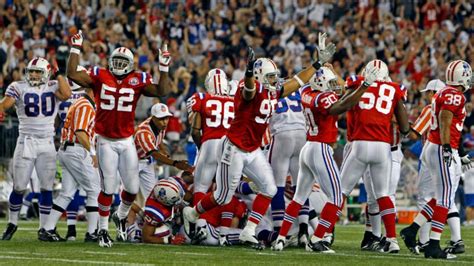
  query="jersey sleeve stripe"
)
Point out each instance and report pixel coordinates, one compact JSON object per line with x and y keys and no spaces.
{"x":155,"y":212}
{"x":423,"y":121}
{"x":143,"y":77}
{"x":95,"y":71}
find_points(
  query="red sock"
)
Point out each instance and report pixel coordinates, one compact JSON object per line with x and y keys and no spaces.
{"x":127,"y":198}
{"x":428,"y":209}
{"x":197,"y":197}
{"x":205,"y":204}
{"x":327,"y":220}
{"x":291,"y":213}
{"x":259,"y":208}
{"x":104,"y":201}
{"x":387,"y":212}
{"x":440,"y":216}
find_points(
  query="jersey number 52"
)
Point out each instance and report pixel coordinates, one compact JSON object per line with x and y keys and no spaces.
{"x":108,"y":101}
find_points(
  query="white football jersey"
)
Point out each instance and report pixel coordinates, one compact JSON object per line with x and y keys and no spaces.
{"x":64,"y":106}
{"x":288,"y":114}
{"x":36,"y":107}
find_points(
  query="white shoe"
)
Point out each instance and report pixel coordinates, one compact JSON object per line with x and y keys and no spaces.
{"x":279,"y":244}
{"x":190,"y":216}
{"x":248,"y":236}
{"x":105,"y":240}
{"x":391,"y":246}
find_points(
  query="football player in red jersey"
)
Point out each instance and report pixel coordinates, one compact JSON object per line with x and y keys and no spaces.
{"x":447,"y":118}
{"x":370,"y":133}
{"x":210,"y":114}
{"x":321,"y":109}
{"x":254,"y":103}
{"x":116,"y":89}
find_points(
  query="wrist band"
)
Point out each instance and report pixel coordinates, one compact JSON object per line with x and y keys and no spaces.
{"x":316,"y":65}
{"x":164,"y":68}
{"x":298,"y":80}
{"x":92,"y":152}
{"x":249,"y":90}
{"x":75,"y":50}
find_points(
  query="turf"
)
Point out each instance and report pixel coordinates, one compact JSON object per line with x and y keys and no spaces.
{"x":25,"y":249}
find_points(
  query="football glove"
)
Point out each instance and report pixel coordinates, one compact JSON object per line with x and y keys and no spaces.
{"x":466,"y":163}
{"x":322,"y":40}
{"x":77,"y":39}
{"x":371,"y":77}
{"x":164,"y":58}
{"x":447,"y":154}
{"x":250,"y":62}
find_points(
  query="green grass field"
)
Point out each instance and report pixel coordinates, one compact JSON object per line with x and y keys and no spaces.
{"x":25,"y":249}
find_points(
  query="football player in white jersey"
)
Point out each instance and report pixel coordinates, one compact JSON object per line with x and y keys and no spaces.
{"x":36,"y":100}
{"x":288,"y":131}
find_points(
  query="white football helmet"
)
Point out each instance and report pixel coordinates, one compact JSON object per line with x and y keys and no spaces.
{"x":168,"y":191}
{"x":459,"y":73}
{"x":233,"y":85}
{"x":383,"y":69}
{"x":38,"y":64}
{"x":121,"y":61}
{"x":216,"y":82}
{"x":72,"y":84}
{"x":324,"y":80}
{"x":265,"y":69}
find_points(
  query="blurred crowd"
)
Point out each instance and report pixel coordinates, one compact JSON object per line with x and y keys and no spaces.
{"x":415,"y":38}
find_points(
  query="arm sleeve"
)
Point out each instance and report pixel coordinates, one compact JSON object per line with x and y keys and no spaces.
{"x":82,"y":117}
{"x":146,"y":141}
{"x":422,"y":123}
{"x":13,"y":92}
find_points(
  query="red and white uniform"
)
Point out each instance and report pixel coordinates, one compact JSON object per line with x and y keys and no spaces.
{"x":217,"y":113}
{"x":241,"y":148}
{"x":317,"y":164}
{"x":156,"y":213}
{"x":147,"y":139}
{"x":116,"y":101}
{"x":371,"y":135}
{"x":444,"y":177}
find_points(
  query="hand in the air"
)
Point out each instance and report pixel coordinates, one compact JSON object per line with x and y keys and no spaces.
{"x":371,"y":77}
{"x":77,"y":40}
{"x":164,"y":58}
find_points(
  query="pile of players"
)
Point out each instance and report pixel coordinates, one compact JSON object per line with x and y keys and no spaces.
{"x":236,"y":178}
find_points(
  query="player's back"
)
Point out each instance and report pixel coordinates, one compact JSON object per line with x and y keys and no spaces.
{"x":116,"y":101}
{"x":372,"y":116}
{"x":322,"y":126}
{"x":36,"y":107}
{"x":452,"y":100}
{"x":251,"y":117}
{"x":156,"y":213}
{"x":217,"y":113}
{"x":288,"y":114}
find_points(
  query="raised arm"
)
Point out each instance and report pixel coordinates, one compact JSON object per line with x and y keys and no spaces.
{"x":249,"y":90}
{"x":164,"y":86}
{"x":325,"y":54}
{"x":64,"y":90}
{"x":79,"y":77}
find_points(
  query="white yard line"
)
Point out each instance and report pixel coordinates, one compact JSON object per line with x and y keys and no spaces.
{"x":70,"y":261}
{"x":106,"y":253}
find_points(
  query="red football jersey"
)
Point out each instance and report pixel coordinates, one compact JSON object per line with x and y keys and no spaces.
{"x":452,"y":100}
{"x":116,"y":101}
{"x":352,"y":82}
{"x":251,"y":117}
{"x":371,"y":118}
{"x":156,"y":213}
{"x":321,"y":126}
{"x":217,"y":113}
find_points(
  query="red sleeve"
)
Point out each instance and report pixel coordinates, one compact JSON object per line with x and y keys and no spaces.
{"x":452,"y":101}
{"x":95,"y":74}
{"x":195,"y":102}
{"x":145,"y":78}
{"x":240,"y":209}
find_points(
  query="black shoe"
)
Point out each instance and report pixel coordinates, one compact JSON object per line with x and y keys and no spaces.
{"x":91,"y":238}
{"x":50,"y":236}
{"x":434,"y":251}
{"x":121,"y":225}
{"x":104,"y":239}
{"x":42,"y":234}
{"x":71,"y":233}
{"x":368,"y":241}
{"x":9,"y":231}
{"x":422,"y":246}
{"x":319,"y":246}
{"x":455,"y":247}
{"x":409,"y":237}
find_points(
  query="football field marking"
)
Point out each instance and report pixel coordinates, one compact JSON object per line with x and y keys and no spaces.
{"x":106,"y":253}
{"x":70,"y":261}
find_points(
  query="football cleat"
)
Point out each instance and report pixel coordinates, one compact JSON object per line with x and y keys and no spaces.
{"x":50,"y":236}
{"x":319,"y":246}
{"x":200,"y":235}
{"x":247,"y":237}
{"x":91,"y":238}
{"x":224,"y":241}
{"x":367,"y":240}
{"x":455,"y":247}
{"x":121,"y":225}
{"x":42,"y":234}
{"x":23,"y":216}
{"x":9,"y":231}
{"x":328,"y":240}
{"x":420,"y":247}
{"x":279,"y":244}
{"x":390,"y":246}
{"x":435,"y":252}
{"x":409,"y":237}
{"x":71,"y":233}
{"x":190,"y":216}
{"x":104,"y":239}
{"x":302,"y":239}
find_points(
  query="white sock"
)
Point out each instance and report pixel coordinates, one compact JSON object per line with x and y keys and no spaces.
{"x":123,"y":210}
{"x":52,"y":220}
{"x":104,"y":223}
{"x":376,"y":223}
{"x":455,"y":226}
{"x":24,"y":209}
{"x":13,"y":217}
{"x":92,"y":220}
{"x":424,"y":235}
